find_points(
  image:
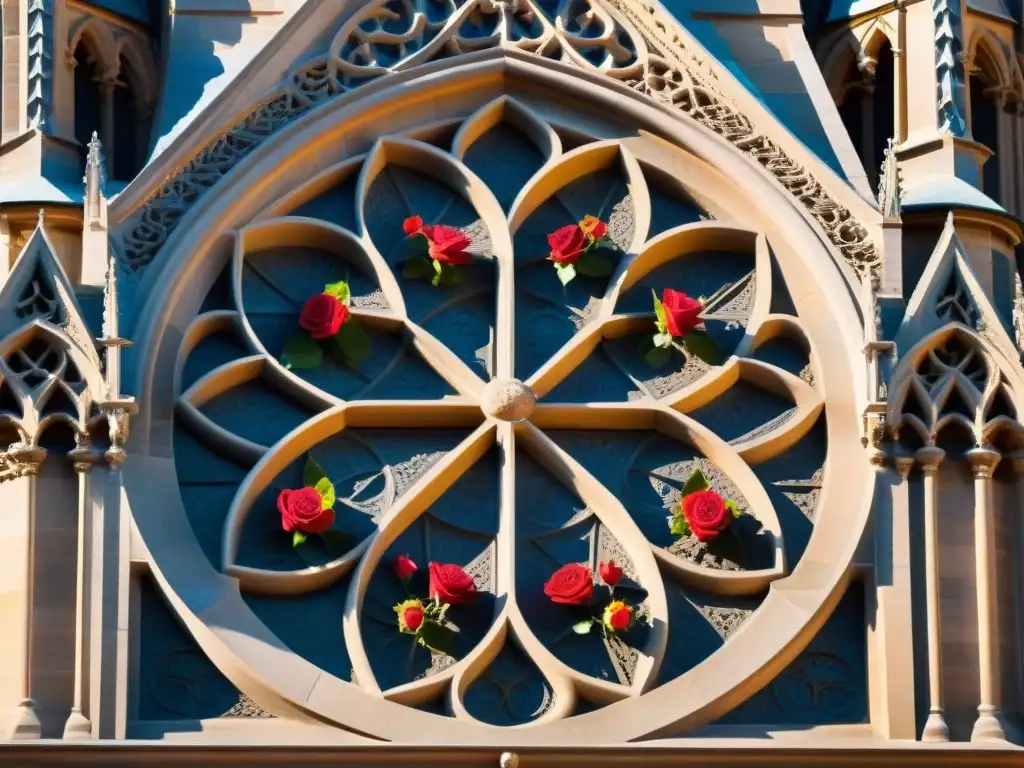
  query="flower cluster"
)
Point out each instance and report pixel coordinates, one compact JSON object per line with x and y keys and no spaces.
{"x":575,"y":249}
{"x":678,"y":324}
{"x":426,"y":619}
{"x":701,"y":511}
{"x":434,"y":251}
{"x":573,"y":584}
{"x":308,"y":511}
{"x":329,"y":326}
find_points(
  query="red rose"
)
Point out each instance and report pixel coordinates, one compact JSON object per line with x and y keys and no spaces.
{"x":567,"y":244}
{"x":302,"y":510}
{"x":617,"y":616}
{"x":706,"y":513}
{"x":682,"y":314}
{"x":451,"y":584}
{"x":572,"y":584}
{"x":404,"y":567}
{"x":412,"y":225}
{"x":410,"y":615}
{"x":447,"y":244}
{"x":323,"y":315}
{"x":610,"y":573}
{"x":593,"y":227}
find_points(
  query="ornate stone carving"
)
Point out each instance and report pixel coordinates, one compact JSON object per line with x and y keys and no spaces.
{"x":645,"y":52}
{"x":516,"y":502}
{"x":40,"y":61}
{"x":949,"y":67}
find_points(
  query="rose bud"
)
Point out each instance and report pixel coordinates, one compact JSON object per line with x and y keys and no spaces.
{"x":323,"y":315}
{"x":412,"y":225}
{"x":682,"y":314}
{"x":404,"y":567}
{"x":410,"y":615}
{"x":617,"y":616}
{"x":610,"y":573}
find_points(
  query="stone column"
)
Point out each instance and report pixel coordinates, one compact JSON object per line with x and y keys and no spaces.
{"x":899,"y":107}
{"x":983,"y":464}
{"x":935,"y":729}
{"x":106,"y":88}
{"x":1004,"y":149}
{"x":78,"y":725}
{"x":24,"y":462}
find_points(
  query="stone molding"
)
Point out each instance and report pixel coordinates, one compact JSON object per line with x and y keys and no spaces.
{"x":662,"y":64}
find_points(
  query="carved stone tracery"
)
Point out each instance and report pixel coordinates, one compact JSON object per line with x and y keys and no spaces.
{"x":626,"y":40}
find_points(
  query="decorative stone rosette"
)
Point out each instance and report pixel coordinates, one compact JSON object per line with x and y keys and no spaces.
{"x":506,"y":376}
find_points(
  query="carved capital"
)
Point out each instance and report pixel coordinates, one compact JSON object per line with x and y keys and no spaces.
{"x":903,"y":465}
{"x":81,"y":455}
{"x":20,"y":460}
{"x":119,"y":413}
{"x":929,"y":458}
{"x":983,"y":461}
{"x":69,"y":59}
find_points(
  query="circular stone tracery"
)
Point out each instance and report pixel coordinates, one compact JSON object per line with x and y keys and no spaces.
{"x":601,"y":326}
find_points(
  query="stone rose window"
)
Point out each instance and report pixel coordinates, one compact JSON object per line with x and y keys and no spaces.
{"x":506,"y":423}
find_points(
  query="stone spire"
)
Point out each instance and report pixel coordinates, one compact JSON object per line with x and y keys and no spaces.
{"x":95,"y":245}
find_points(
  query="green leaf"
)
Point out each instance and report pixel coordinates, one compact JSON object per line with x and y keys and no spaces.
{"x":663,"y":340}
{"x":326,"y":490}
{"x":677,"y":523}
{"x":435,"y":637}
{"x":733,"y":507}
{"x":659,"y":311}
{"x":566,"y":272}
{"x":338,"y":542}
{"x":449,"y":276}
{"x":658,"y":357}
{"x":594,"y":265}
{"x":301,"y":352}
{"x":353,"y":342}
{"x":338,"y":290}
{"x":583,"y":627}
{"x":298,"y":537}
{"x":312,"y":473}
{"x":437,"y":266}
{"x":417,"y":268}
{"x":700,"y":344}
{"x":695,"y":482}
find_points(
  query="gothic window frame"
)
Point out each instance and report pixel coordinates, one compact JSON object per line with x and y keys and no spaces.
{"x":208,"y":603}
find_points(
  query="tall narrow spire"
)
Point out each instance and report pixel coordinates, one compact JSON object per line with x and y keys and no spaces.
{"x":95,"y":245}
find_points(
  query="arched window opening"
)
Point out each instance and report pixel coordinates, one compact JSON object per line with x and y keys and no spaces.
{"x":866,"y":109}
{"x":985,"y":109}
{"x":88,"y":99}
{"x":131,"y":126}
{"x":884,"y":103}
